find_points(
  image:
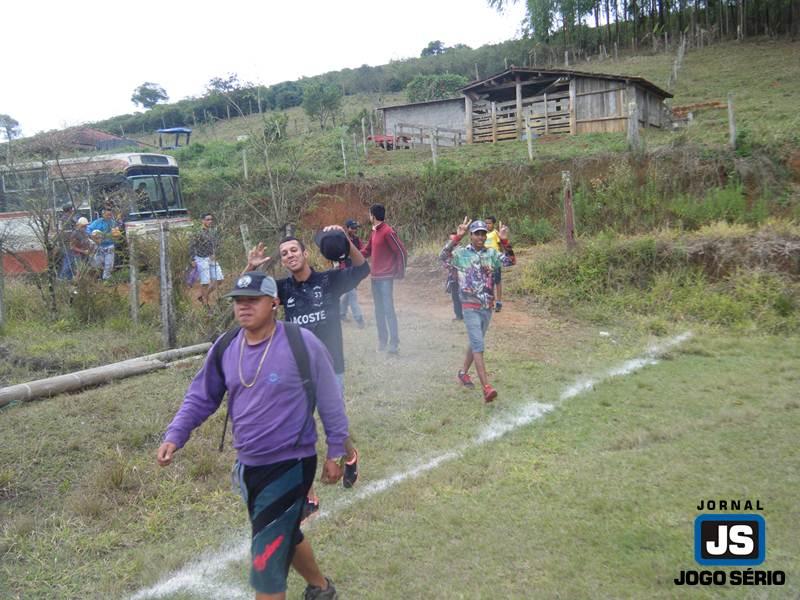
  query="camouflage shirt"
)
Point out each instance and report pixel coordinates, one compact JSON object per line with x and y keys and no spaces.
{"x":475,"y":270}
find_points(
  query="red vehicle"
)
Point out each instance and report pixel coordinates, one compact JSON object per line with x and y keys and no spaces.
{"x":388,"y":141}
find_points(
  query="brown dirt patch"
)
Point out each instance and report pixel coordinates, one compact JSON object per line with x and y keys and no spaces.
{"x":335,"y":204}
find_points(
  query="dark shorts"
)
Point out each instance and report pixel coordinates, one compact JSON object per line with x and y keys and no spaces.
{"x":275,"y":495}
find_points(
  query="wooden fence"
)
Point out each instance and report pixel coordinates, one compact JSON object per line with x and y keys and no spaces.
{"x":600,"y":110}
{"x":409,"y":135}
{"x":496,"y":121}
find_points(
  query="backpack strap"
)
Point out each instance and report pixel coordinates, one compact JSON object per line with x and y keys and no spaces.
{"x":219,"y":350}
{"x":300,"y":353}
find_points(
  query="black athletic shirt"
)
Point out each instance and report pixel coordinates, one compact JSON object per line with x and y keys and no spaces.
{"x":314,"y":304}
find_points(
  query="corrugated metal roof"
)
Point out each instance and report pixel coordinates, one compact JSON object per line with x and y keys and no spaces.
{"x":457,"y":99}
{"x":564,"y":72}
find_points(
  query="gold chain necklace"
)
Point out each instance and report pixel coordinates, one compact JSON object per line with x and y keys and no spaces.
{"x":260,"y":363}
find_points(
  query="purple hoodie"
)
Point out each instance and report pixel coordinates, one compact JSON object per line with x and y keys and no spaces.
{"x":267,"y":417}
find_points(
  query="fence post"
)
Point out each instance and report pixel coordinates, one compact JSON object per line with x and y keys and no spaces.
{"x":433,"y":147}
{"x":2,"y":290}
{"x":344,"y":157}
{"x":528,"y":136}
{"x":731,"y":123}
{"x":168,"y":333}
{"x":569,"y":211}
{"x":364,"y":135}
{"x":494,"y":122}
{"x":634,"y":142}
{"x":133,"y":293}
{"x":244,"y":230}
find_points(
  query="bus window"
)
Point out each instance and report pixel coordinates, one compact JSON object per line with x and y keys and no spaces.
{"x":171,"y":191}
{"x":146,"y":196}
{"x":71,"y":191}
{"x":23,"y":181}
{"x":21,"y":189}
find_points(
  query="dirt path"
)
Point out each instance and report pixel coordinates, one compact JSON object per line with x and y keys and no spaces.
{"x":422,"y":303}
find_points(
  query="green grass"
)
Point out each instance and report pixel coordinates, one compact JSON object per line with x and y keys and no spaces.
{"x":594,"y":500}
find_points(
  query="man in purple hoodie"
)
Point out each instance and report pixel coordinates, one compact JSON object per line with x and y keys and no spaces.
{"x":274,"y":436}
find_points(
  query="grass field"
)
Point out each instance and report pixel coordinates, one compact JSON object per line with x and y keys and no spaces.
{"x":594,"y":498}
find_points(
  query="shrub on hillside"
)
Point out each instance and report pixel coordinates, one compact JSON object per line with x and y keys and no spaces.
{"x":725,"y":276}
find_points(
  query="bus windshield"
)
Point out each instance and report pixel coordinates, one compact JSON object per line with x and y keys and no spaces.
{"x":154,"y":195}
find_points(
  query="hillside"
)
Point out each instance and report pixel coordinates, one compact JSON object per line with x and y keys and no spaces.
{"x":681,"y":167}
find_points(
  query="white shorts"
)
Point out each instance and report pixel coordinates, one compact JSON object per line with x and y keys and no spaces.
{"x":208,"y":270}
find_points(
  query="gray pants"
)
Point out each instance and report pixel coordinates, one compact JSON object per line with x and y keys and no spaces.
{"x":385,"y":317}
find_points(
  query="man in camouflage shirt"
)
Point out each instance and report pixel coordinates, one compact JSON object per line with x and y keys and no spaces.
{"x":475,"y":265}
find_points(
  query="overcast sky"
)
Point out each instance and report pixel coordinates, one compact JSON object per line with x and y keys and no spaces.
{"x":69,"y":62}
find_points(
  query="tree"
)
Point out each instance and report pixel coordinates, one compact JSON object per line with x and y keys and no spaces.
{"x":322,"y":102}
{"x":434,"y":87}
{"x":9,"y":128}
{"x":433,"y":48}
{"x":149,"y":94}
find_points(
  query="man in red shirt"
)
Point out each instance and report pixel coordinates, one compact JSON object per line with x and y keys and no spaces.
{"x":389,"y":258}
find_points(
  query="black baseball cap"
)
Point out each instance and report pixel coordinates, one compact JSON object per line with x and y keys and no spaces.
{"x":351,"y":224}
{"x":254,"y":283}
{"x":333,"y":244}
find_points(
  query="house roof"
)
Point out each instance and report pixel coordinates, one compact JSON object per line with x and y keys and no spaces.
{"x":441,"y":101}
{"x":530,"y":73}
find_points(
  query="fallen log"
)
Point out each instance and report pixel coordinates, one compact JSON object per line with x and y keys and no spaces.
{"x":71,"y":382}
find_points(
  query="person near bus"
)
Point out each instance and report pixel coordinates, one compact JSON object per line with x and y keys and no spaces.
{"x":78,"y":249}
{"x":203,"y":252}
{"x":110,"y":228}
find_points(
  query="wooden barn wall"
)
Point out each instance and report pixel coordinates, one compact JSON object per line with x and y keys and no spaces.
{"x":599,"y":105}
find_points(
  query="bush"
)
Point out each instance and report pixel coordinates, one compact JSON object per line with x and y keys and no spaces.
{"x":653,"y":276}
{"x":539,"y":232}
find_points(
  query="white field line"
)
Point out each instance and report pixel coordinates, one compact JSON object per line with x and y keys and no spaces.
{"x":201,"y":576}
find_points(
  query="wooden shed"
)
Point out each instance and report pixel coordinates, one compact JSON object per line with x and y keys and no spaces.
{"x":558,"y":101}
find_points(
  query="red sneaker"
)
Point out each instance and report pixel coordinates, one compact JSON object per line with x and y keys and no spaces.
{"x":465,"y":379}
{"x":489,"y":393}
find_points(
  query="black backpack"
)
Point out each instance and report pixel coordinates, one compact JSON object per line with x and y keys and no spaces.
{"x":300,"y":353}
